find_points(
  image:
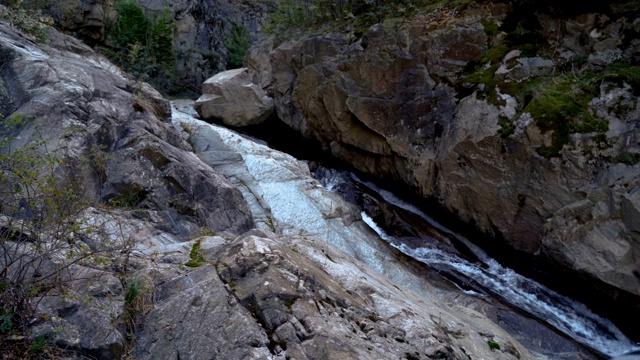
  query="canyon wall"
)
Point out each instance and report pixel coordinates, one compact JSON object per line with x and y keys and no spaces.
{"x":424,"y":102}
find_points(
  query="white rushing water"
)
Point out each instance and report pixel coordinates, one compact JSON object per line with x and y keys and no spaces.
{"x":568,"y":316}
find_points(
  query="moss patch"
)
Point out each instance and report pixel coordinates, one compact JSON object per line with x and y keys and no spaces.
{"x":196,"y":256}
{"x":560,"y":104}
{"x":627,"y":158}
{"x":557,"y":103}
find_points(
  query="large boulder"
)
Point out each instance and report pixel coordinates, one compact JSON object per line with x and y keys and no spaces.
{"x":232,"y":98}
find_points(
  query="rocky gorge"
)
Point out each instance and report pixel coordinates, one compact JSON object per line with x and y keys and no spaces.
{"x":230,"y":249}
{"x":489,"y":127}
{"x":276,"y":291}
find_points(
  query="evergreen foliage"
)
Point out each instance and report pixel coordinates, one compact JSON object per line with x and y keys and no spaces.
{"x":237,"y":45}
{"x":131,"y":25}
{"x":143,"y":46}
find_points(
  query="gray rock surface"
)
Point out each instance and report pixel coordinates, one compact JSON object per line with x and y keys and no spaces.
{"x":113,"y":137}
{"x":280,"y":297}
{"x":83,"y":317}
{"x":233,"y":99}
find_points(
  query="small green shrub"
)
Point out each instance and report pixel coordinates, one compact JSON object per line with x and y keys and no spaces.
{"x":38,"y":345}
{"x":493,"y":345}
{"x":506,"y":126}
{"x":139,"y":299}
{"x":126,"y":200}
{"x":490,"y":27}
{"x":133,"y":291}
{"x":6,"y":322}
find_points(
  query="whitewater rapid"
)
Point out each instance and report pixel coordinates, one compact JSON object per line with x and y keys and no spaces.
{"x":566,"y":315}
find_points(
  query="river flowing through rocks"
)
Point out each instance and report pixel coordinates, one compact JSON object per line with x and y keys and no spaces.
{"x":472,"y":270}
{"x":545,"y":321}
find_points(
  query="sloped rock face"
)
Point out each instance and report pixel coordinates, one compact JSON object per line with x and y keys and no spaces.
{"x":391,"y":105}
{"x":269,"y":297}
{"x":113,"y":137}
{"x":83,"y":317}
{"x":114,"y":146}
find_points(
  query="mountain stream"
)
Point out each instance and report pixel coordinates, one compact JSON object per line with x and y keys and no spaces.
{"x":481,"y":276}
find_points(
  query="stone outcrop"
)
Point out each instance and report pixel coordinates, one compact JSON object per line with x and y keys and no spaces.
{"x":85,"y":18}
{"x":280,"y":297}
{"x":394,"y":104}
{"x":232,"y":98}
{"x":113,"y":137}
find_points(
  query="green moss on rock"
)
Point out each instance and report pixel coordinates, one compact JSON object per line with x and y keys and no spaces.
{"x":196,"y":256}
